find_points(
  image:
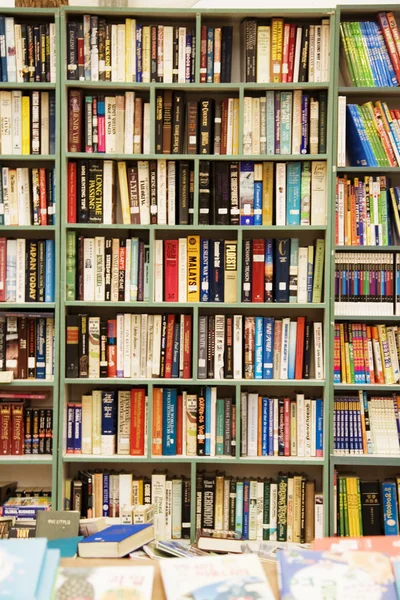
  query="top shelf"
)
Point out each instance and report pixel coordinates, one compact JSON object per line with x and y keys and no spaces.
{"x":369,"y":91}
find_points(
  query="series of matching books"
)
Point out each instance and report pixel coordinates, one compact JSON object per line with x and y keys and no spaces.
{"x":364,"y":283}
{"x":108,"y":269}
{"x":366,"y":508}
{"x":107,"y":423}
{"x":366,"y":425}
{"x":281,"y":271}
{"x":281,"y":426}
{"x":248,"y":347}
{"x":27,"y":122}
{"x":285,"y":123}
{"x":281,"y":52}
{"x":371,"y":52}
{"x":27,"y":270}
{"x":137,"y":346}
{"x":251,"y":193}
{"x":366,"y":353}
{"x":98,"y":50}
{"x":27,"y":52}
{"x":282,"y":509}
{"x":27,"y":345}
{"x":27,"y":196}
{"x":25,"y":430}
{"x":216,"y":54}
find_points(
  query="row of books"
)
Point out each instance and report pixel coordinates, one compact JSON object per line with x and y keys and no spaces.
{"x":137,"y":346}
{"x":371,"y":51}
{"x":25,"y":430}
{"x":24,"y":509}
{"x":139,"y":193}
{"x":281,"y":426}
{"x":283,"y":509}
{"x":366,"y":508}
{"x":366,"y":353}
{"x":27,"y":196}
{"x":27,"y":122}
{"x":27,"y":52}
{"x":285,"y":123}
{"x":109,"y":124}
{"x":364,"y":283}
{"x":256,"y":348}
{"x":107,"y":269}
{"x":366,"y":211}
{"x":99,"y":50}
{"x":216,"y":54}
{"x":27,"y":345}
{"x":27,"y":270}
{"x":281,"y":52}
{"x":366,"y":425}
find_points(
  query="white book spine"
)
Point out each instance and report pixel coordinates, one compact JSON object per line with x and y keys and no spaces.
{"x":143,"y":346}
{"x":94,"y":53}
{"x":120,"y":345}
{"x":319,"y":183}
{"x":5,"y":183}
{"x":182,"y":266}
{"x":273,"y":512}
{"x":219,"y":346}
{"x":176,"y":518}
{"x":111,"y":124}
{"x":297,"y":55}
{"x":21,"y":196}
{"x":252,"y":424}
{"x":393,"y":353}
{"x":237,"y":347}
{"x":129,"y":114}
{"x":319,"y":516}
{"x":150,"y":346}
{"x":128,"y":265}
{"x":313,"y":427}
{"x":300,"y":425}
{"x":88,"y":270}
{"x":87,"y":415}
{"x":285,"y":349}
{"x":302,"y":276}
{"x":96,"y":422}
{"x":144,"y":191}
{"x":289,"y":531}
{"x":227,"y":489}
{"x":127,"y":348}
{"x":25,"y":192}
{"x":158,"y":271}
{"x":181,"y":54}
{"x":341,"y":157}
{"x":247,"y":125}
{"x":53,"y":60}
{"x":108,"y":184}
{"x":263,"y":53}
{"x":280,"y":194}
{"x":156,"y":346}
{"x":18,"y":53}
{"x":21,"y":270}
{"x":125,"y":489}
{"x":133,"y":49}
{"x":325,"y":50}
{"x":146,"y":128}
{"x":307,"y":426}
{"x":114,"y":52}
{"x":171,"y":166}
{"x":13,"y":196}
{"x":311,"y":53}
{"x":121,"y":52}
{"x":168,"y":53}
{"x":168,"y":509}
{"x":136,"y":339}
{"x":256,"y":126}
{"x":10,"y":50}
{"x":44,"y":123}
{"x":318,"y":351}
{"x":99,"y":244}
{"x":86,"y":46}
{"x":340,"y":210}
{"x":124,"y":422}
{"x":17,"y":122}
{"x":6,"y":122}
{"x":162,"y":191}
{"x":213,"y":420}
{"x":318,"y":54}
{"x":158,"y":485}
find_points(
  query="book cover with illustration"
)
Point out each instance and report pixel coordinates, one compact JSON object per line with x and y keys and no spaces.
{"x":232,"y":577}
{"x":102,"y":583}
{"x":21,"y":563}
{"x":314,"y":575}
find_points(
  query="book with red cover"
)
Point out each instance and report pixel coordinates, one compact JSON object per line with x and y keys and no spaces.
{"x":112,"y":348}
{"x":179,"y":420}
{"x":286,"y":426}
{"x":292,"y":44}
{"x":71,"y":216}
{"x":137,"y":422}
{"x":157,"y":406}
{"x":257,"y":280}
{"x":17,"y":429}
{"x":75,"y":121}
{"x":5,"y":429}
{"x":390,"y":43}
{"x":298,"y":370}
{"x":169,"y":346}
{"x":285,"y":55}
{"x":3,"y":268}
{"x":171,"y":270}
{"x":42,"y":196}
{"x":187,"y":346}
{"x":203,"y":54}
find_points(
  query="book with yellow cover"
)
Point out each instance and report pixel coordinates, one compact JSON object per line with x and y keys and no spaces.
{"x":193,"y":262}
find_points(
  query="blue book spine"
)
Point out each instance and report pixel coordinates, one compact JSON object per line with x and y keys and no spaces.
{"x":305,"y":111}
{"x":268,"y":355}
{"x":281,"y":270}
{"x":208,"y":422}
{"x":386,"y":61}
{"x":217,"y":282}
{"x":106,"y":495}
{"x":258,"y":203}
{"x":54,"y":197}
{"x":205,"y":270}
{"x":108,"y":413}
{"x":3,"y":50}
{"x":319,"y":415}
{"x":70,"y":428}
{"x":293,"y":184}
{"x":358,"y":145}
{"x":277,"y":122}
{"x":176,"y":350}
{"x":210,"y":55}
{"x":264,"y":430}
{"x":78,"y":428}
{"x":390,"y":512}
{"x":188,"y":57}
{"x":40,"y":348}
{"x":370,"y":55}
{"x":270,"y":122}
{"x":381,"y":69}
{"x":169,"y":422}
{"x":52,"y":124}
{"x":271,"y":428}
{"x":348,"y":439}
{"x":258,"y":366}
{"x":50,"y":274}
{"x":239,"y":508}
{"x":139,"y":30}
{"x":246,"y":501}
{"x":134,"y":268}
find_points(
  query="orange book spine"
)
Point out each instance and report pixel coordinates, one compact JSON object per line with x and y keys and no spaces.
{"x":137,"y":422}
{"x":169,"y":346}
{"x":379,"y":378}
{"x":298,"y":371}
{"x":390,"y":44}
{"x":156,"y":443}
{"x":394,"y":29}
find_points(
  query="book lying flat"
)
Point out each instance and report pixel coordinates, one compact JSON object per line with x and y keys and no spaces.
{"x":116,"y":541}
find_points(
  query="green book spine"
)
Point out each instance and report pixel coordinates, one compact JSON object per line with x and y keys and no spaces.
{"x":220,"y":426}
{"x":366,"y":113}
{"x":71,"y":266}
{"x":286,"y":122}
{"x":383,"y":216}
{"x":353,"y":53}
{"x":305,"y":193}
{"x":266,"y":509}
{"x":346,"y":48}
{"x":359,"y":506}
{"x":341,"y":506}
{"x":364,"y":58}
{"x":318,"y":271}
{"x":282,"y":507}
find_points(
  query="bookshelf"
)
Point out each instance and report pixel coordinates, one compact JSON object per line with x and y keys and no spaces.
{"x":71,"y":389}
{"x":42,"y":469}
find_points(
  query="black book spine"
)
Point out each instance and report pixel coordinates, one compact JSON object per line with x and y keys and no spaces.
{"x":72,"y":346}
{"x":232,"y":504}
{"x":72,"y":52}
{"x":222,"y":195}
{"x":41,"y":271}
{"x":95,"y":192}
{"x":50,"y":199}
{"x":210,"y":346}
{"x":305,"y":42}
{"x":281,"y":270}
{"x":83,"y":212}
{"x":102,"y":52}
{"x":228,"y":425}
{"x":43,"y":53}
{"x":246,"y":277}
{"x":107,"y":270}
{"x":83,"y":346}
{"x":159,"y":121}
{"x":307,"y":350}
{"x":234,"y":193}
{"x":42,"y":430}
{"x":186,"y":509}
{"x":206,"y":125}
{"x":226,"y":55}
{"x":371,"y":508}
{"x":229,"y":347}
{"x":141,"y":261}
{"x":191,"y":194}
{"x":201,"y":426}
{"x":79,"y":268}
{"x":47,"y":53}
{"x":251,"y":46}
{"x":32,"y":270}
{"x":103,"y":348}
{"x":31,"y":53}
{"x":217,"y":272}
{"x":233,"y":429}
{"x":49,"y":432}
{"x":184,"y":191}
{"x":177,"y":123}
{"x":208,"y":502}
{"x":322,"y":122}
{"x":204,"y":192}
{"x":121,"y":271}
{"x":2,"y":343}
{"x":199,"y":500}
{"x":175,"y":54}
{"x":25,"y":56}
{"x":36,"y":50}
{"x":303,"y":511}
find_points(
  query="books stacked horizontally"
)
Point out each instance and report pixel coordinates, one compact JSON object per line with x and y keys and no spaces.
{"x":285,"y":123}
{"x":262,"y":193}
{"x":366,"y":353}
{"x":136,"y":346}
{"x":28,"y":52}
{"x":28,"y":122}
{"x":104,"y":493}
{"x":26,"y":506}
{"x":236,"y":347}
{"x":282,"y":509}
{"x":366,"y":507}
{"x":366,"y":425}
{"x":364,"y":283}
{"x":107,"y":269}
{"x":280,"y":52}
{"x":24,"y":429}
{"x":371,"y":52}
{"x":281,"y":426}
{"x":216,"y":54}
{"x":27,"y":270}
{"x":99,"y":50}
{"x":27,"y":196}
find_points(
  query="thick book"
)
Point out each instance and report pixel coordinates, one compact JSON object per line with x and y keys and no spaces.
{"x":116,"y":541}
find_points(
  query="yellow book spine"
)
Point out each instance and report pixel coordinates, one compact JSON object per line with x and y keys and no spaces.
{"x":268,"y":193}
{"x":343,"y":372}
{"x":146,"y":55}
{"x":26,"y":125}
{"x":128,"y":50}
{"x":123,"y":188}
{"x":141,"y":491}
{"x":276,"y":50}
{"x":193,"y":262}
{"x":235,"y":126}
{"x":219,"y":502}
{"x":385,"y":355}
{"x":230,"y":270}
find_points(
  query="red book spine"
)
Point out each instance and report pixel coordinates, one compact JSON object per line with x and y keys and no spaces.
{"x":394,"y":29}
{"x":71,"y":217}
{"x":298,"y":369}
{"x":286,"y":426}
{"x":179,"y":420}
{"x":187,"y":346}
{"x":3,"y":268}
{"x":389,"y":41}
{"x":111,"y":348}
{"x":292,"y":42}
{"x":257,"y":278}
{"x":137,"y":422}
{"x":42,"y":197}
{"x":17,"y":429}
{"x":169,"y":345}
{"x":171,"y":270}
{"x":285,"y":59}
{"x":5,"y":429}
{"x":203,"y":55}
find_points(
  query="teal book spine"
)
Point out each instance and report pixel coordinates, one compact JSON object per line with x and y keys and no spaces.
{"x":258,"y":366}
{"x":219,"y":448}
{"x":50,"y":274}
{"x":169,"y":422}
{"x":270,"y":123}
{"x":134,"y":269}
{"x":293,"y":188}
{"x":390,"y":511}
{"x":286,"y":122}
{"x":239,"y":507}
